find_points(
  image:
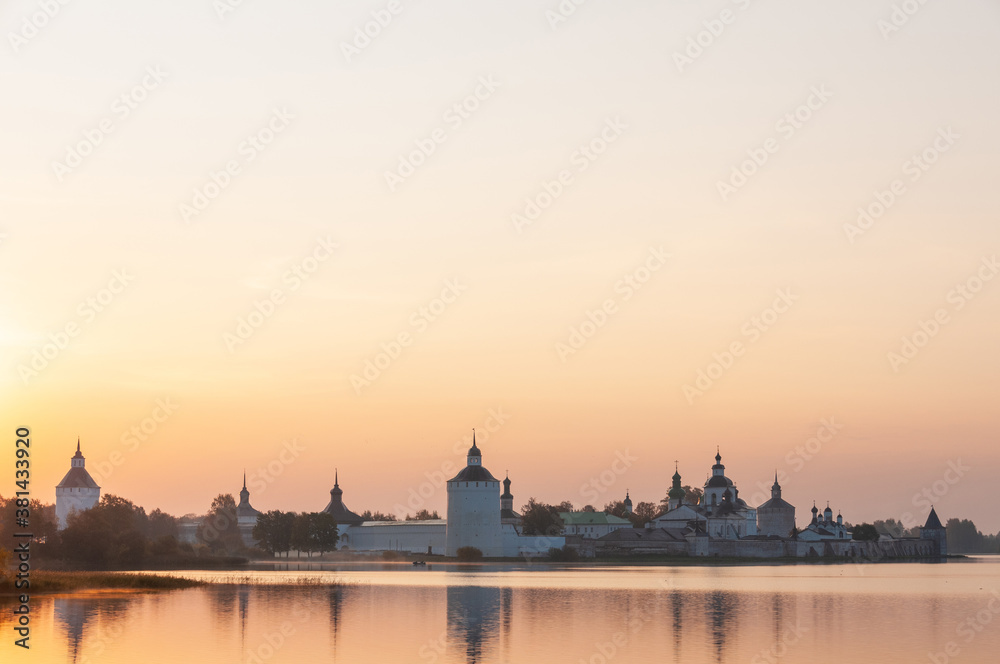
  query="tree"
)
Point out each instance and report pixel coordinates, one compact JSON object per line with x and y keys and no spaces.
{"x":895,"y":528}
{"x":300,"y":534}
{"x":963,"y":537}
{"x":273,"y":531}
{"x":423,"y":515}
{"x":110,"y":534}
{"x":565,"y":506}
{"x":323,"y":532}
{"x":219,"y":530}
{"x":642,"y":514}
{"x":616,"y":508}
{"x":540,"y":519}
{"x":588,"y":508}
{"x":368,"y":515}
{"x":161,"y":524}
{"x":865,"y":532}
{"x":468,"y":554}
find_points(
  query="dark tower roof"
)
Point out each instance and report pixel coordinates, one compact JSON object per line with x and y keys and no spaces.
{"x":245,"y":508}
{"x":506,"y":488}
{"x":628,"y":501}
{"x":77,"y":477}
{"x":341,"y":514}
{"x":474,"y":472}
{"x":933,"y":521}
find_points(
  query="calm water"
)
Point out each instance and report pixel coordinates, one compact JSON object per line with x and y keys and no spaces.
{"x":527,"y":614}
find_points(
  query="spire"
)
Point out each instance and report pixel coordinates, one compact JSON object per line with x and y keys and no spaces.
{"x":244,"y":479}
{"x":78,"y":445}
{"x":336,"y":482}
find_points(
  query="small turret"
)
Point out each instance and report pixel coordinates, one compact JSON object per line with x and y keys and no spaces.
{"x":675,"y":497}
{"x":628,"y":503}
{"x":815,"y":511}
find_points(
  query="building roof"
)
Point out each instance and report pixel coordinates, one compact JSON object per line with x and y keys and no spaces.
{"x":398,"y":524}
{"x":77,"y":478}
{"x":474,"y":474}
{"x":592,"y":519}
{"x":645,"y":535}
{"x":338,"y":509}
{"x":932,"y":520}
{"x":776,"y":503}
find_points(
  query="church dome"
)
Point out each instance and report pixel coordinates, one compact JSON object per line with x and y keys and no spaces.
{"x":719,"y":481}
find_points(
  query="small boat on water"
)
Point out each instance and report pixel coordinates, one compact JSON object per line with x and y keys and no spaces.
{"x":418,"y":563}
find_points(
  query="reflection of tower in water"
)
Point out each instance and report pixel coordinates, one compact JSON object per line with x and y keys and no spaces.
{"x":77,"y":616}
{"x":474,"y":619}
{"x":721,"y":610}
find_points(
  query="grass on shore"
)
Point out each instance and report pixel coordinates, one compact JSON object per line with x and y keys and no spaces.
{"x":43,"y":581}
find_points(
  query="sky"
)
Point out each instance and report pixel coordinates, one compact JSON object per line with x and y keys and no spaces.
{"x":298,"y":239}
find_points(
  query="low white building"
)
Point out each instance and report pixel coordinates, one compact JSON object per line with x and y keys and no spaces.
{"x":592,"y":525}
{"x":77,"y":491}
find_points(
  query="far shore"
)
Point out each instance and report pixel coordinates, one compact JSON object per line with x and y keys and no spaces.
{"x":62,"y":581}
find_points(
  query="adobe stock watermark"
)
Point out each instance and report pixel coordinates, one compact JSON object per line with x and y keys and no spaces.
{"x":800,"y":455}
{"x":599,"y":484}
{"x":224,"y":8}
{"x":625,"y":289}
{"x":927,"y":329}
{"x":418,"y":496}
{"x":913,"y":169}
{"x":752,"y":330}
{"x":776,"y":653}
{"x":704,"y":39}
{"x":785,"y":129}
{"x":580,"y":161}
{"x":120,"y":110}
{"x":419,"y":320}
{"x":562,"y":12}
{"x":968,"y":629}
{"x":900,"y":15}
{"x":453,"y":118}
{"x":42,"y":356}
{"x":293,"y":279}
{"x":248,"y":150}
{"x":33,"y":24}
{"x":371,"y":29}
{"x":264,"y":476}
{"x":134,"y":437}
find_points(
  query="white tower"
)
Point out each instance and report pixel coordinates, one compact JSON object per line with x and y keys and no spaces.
{"x":474,"y":508}
{"x":77,"y":491}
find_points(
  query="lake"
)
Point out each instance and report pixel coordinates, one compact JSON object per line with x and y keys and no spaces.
{"x":448,"y":613}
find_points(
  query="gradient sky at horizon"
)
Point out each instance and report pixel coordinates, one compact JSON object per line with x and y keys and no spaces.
{"x":494,"y":348}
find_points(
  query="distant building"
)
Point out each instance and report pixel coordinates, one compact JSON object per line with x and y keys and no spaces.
{"x":473,"y":508}
{"x":936,"y":533}
{"x":823,"y":528}
{"x":592,"y":525}
{"x":776,"y":517}
{"x":77,"y":491}
{"x":721,"y":514}
{"x":246,"y":516}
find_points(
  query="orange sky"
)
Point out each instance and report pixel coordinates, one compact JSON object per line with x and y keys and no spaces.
{"x":582,"y":324}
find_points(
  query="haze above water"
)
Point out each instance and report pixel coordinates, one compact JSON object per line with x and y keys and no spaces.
{"x":519,"y":613}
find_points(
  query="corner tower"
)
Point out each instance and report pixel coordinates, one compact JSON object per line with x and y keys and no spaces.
{"x":474,"y":507}
{"x":77,"y":491}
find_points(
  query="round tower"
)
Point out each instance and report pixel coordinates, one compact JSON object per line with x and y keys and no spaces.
{"x":628,"y":503}
{"x":474,"y":507}
{"x":77,"y":491}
